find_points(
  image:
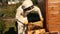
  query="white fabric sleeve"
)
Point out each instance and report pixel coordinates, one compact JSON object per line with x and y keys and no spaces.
{"x":18,"y":14}
{"x":39,"y":12}
{"x":20,"y":17}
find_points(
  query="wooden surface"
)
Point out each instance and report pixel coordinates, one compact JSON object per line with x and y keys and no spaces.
{"x":53,"y":15}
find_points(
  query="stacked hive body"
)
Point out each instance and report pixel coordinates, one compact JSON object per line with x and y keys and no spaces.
{"x":53,"y":15}
{"x":36,"y":28}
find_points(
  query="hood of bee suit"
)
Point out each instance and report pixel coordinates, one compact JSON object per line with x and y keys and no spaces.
{"x":26,"y":4}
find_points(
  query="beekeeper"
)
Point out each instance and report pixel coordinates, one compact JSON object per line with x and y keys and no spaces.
{"x":21,"y":15}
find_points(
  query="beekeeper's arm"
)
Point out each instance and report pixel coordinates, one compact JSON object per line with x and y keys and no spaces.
{"x":39,"y":12}
{"x":19,"y":17}
{"x":18,"y":12}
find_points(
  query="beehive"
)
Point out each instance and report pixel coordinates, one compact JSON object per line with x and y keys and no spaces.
{"x":35,"y":28}
{"x":39,"y":31}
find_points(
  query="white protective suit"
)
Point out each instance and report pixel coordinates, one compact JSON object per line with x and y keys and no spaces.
{"x":21,"y":19}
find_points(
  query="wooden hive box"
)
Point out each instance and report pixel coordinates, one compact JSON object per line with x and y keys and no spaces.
{"x":53,"y":16}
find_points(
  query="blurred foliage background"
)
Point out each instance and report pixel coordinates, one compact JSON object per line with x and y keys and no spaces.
{"x":7,"y":15}
{"x":2,"y":26}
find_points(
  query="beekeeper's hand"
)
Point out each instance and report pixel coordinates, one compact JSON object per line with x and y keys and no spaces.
{"x":42,"y":19}
{"x":25,"y":21}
